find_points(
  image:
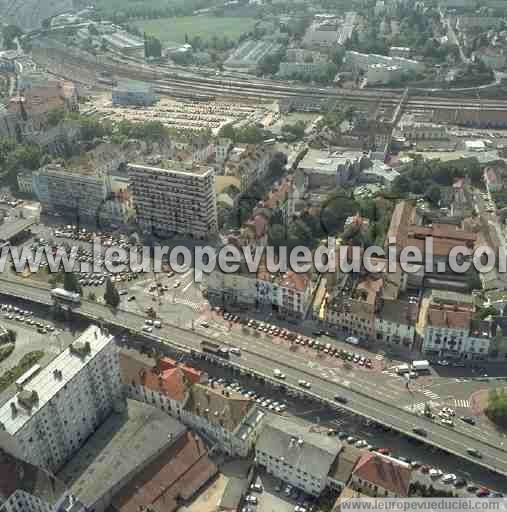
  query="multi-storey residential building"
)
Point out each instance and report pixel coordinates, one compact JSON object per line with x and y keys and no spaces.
{"x":400,"y":51}
{"x":25,"y":182}
{"x":165,"y":385}
{"x":174,"y":197}
{"x":225,"y":416}
{"x":70,"y":191}
{"x":59,"y":406}
{"x":222,"y":147}
{"x":27,"y":488}
{"x":249,"y":163}
{"x":396,"y":322}
{"x":448,"y":331}
{"x":296,"y":455}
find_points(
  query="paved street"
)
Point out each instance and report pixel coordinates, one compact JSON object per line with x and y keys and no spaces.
{"x":380,"y":402}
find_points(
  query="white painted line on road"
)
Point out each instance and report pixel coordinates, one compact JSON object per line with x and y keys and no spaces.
{"x":187,"y":286}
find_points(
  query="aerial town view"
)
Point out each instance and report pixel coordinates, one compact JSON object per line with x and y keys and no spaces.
{"x":253,"y":255}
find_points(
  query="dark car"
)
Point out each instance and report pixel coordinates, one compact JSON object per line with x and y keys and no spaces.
{"x":420,"y":432}
{"x":468,"y":419}
{"x":341,"y":399}
{"x":474,"y":453}
{"x":460,"y":482}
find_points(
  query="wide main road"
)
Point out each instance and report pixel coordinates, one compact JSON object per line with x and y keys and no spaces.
{"x":263,"y":360}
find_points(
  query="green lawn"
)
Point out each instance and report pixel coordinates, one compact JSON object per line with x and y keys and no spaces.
{"x":174,"y":29}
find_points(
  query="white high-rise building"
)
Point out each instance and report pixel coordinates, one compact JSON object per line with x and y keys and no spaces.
{"x":174,"y":197}
{"x":58,"y":407}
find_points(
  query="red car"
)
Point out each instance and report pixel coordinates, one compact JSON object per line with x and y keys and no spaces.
{"x":482,"y":492}
{"x":425,"y":468}
{"x":368,"y":363}
{"x":384,"y":451}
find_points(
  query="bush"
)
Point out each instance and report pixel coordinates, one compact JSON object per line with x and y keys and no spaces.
{"x":26,"y":362}
{"x":496,"y":410}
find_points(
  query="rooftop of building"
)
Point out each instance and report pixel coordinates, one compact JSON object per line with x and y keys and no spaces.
{"x":219,"y":406}
{"x":121,"y":445}
{"x":298,"y":446}
{"x":449,"y":316}
{"x":134,"y":86}
{"x":18,"y":475}
{"x":124,"y":39}
{"x":327,"y":161}
{"x":174,"y":476}
{"x":188,"y":168}
{"x":381,"y":169}
{"x":450,"y":297}
{"x":386,"y":472}
{"x":46,"y":383}
{"x":345,"y":463}
{"x":399,"y":311}
{"x":166,"y":376}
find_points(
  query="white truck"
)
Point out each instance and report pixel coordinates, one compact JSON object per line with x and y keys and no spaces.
{"x":403,"y":369}
{"x":352,"y":340}
{"x":420,"y":366}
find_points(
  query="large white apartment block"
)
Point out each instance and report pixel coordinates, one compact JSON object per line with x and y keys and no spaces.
{"x":58,"y":407}
{"x":70,"y":192}
{"x":291,"y":452}
{"x":174,"y":197}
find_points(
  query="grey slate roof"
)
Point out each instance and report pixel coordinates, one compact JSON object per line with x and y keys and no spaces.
{"x":281,"y":438}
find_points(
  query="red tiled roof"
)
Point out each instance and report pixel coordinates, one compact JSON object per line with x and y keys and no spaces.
{"x":167,"y":378}
{"x":175,"y":475}
{"x":384,"y":472}
{"x":452,"y":317}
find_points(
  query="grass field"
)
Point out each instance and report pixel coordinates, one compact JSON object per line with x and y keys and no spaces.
{"x":174,"y":29}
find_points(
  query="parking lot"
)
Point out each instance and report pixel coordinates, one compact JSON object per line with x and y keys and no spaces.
{"x":184,"y":115}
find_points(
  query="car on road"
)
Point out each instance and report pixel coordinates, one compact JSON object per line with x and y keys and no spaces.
{"x":361,"y":443}
{"x":460,"y":482}
{"x":123,"y":292}
{"x":449,"y":478}
{"x":443,"y":362}
{"x":131,"y":298}
{"x":420,"y":432}
{"x":176,"y":284}
{"x":304,"y":384}
{"x":342,"y":435}
{"x":235,"y":350}
{"x":256,"y":487}
{"x":147,"y":328}
{"x":482,"y":492}
{"x":251,"y":499}
{"x":474,"y":453}
{"x":447,"y":421}
{"x":278,"y":374}
{"x":468,"y":419}
{"x":425,"y":468}
{"x":472,"y":487}
{"x":157,"y":324}
{"x":351,"y":439}
{"x":341,"y":399}
{"x":435,"y":473}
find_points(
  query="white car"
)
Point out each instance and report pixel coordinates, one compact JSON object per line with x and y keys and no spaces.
{"x":361,"y":443}
{"x":449,"y":411}
{"x":450,"y":477}
{"x":157,"y":324}
{"x":147,"y":328}
{"x":235,"y":350}
{"x":304,"y":384}
{"x":251,"y":499}
{"x":446,"y":421}
{"x":148,"y":322}
{"x":435,"y":473}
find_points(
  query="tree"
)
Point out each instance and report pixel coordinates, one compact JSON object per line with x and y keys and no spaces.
{"x":71,"y":283}
{"x":111,"y":295}
{"x":10,"y":33}
{"x":152,"y":47}
{"x":496,"y":410}
{"x":55,"y":116}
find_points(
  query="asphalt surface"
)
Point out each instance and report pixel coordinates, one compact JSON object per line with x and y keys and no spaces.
{"x":263,"y":359}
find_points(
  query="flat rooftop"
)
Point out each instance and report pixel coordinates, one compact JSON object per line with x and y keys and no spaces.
{"x":327,"y":162}
{"x":119,"y":447}
{"x":46,"y":384}
{"x":174,"y":166}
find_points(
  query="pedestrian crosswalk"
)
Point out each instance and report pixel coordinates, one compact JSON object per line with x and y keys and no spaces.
{"x":430,"y":394}
{"x":195,"y":306}
{"x":379,"y":357}
{"x":391,"y":374}
{"x":419,"y":407}
{"x":464,"y":404}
